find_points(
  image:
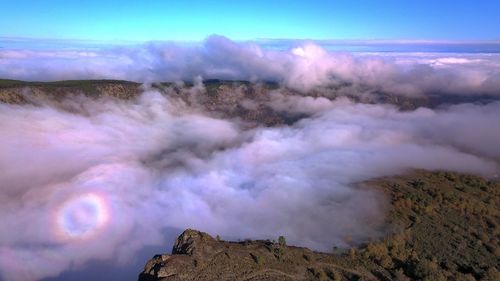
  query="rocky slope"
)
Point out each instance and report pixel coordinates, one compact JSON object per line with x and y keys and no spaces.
{"x":444,"y":227}
{"x":224,"y":99}
{"x":16,"y":92}
{"x":198,"y":256}
{"x":251,"y":102}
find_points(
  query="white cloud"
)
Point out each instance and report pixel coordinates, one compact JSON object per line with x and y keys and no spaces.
{"x":302,"y":67}
{"x":104,"y":184}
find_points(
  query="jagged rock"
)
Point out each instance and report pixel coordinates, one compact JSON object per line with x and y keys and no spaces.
{"x":192,"y":242}
{"x":198,"y":256}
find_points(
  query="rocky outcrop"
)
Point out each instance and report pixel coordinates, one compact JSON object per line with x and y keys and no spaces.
{"x":198,"y":256}
{"x":191,"y":249}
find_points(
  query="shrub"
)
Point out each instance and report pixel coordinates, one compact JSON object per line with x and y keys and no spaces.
{"x":282,"y":241}
{"x":257,"y":259}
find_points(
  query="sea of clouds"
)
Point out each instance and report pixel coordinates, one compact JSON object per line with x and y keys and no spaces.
{"x":100,"y":179}
{"x":303,"y":67}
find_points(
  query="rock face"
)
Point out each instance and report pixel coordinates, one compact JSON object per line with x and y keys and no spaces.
{"x":198,"y":256}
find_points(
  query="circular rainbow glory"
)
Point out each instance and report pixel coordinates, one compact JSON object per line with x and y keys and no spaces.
{"x":83,"y":216}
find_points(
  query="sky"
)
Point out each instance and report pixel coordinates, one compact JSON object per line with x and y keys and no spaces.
{"x":248,"y":20}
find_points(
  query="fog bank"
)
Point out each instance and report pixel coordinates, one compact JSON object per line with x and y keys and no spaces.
{"x":300,"y":65}
{"x":101,"y":179}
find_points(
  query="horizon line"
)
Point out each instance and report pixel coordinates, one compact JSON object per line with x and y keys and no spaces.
{"x":353,"y":41}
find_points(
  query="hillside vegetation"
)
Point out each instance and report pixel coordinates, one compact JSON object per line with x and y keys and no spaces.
{"x":217,"y":94}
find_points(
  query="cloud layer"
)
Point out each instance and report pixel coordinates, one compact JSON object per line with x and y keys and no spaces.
{"x":302,"y":66}
{"x":101,"y":179}
{"x":87,"y":180}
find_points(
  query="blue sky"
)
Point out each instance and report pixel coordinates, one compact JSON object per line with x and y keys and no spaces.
{"x":246,"y":20}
